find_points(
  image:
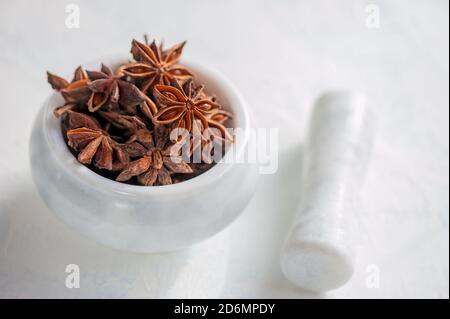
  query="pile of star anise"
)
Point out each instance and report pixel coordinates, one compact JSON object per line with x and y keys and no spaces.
{"x":119,"y":122}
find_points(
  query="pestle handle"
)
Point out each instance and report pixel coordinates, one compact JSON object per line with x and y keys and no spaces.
{"x":318,"y":253}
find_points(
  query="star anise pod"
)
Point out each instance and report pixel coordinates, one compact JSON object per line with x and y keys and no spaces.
{"x":110,"y":92}
{"x":93,"y":144}
{"x":183,"y":104}
{"x":155,"y":66}
{"x":131,"y":123}
{"x":156,"y":165}
{"x":148,"y":107}
{"x":72,"y":119}
{"x":220,"y":116}
{"x":75,"y":94}
{"x":119,"y":122}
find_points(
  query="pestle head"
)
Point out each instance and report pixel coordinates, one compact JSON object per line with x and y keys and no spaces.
{"x":316,"y":266}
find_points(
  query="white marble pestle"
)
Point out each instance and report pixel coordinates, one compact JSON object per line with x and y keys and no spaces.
{"x":319,"y":250}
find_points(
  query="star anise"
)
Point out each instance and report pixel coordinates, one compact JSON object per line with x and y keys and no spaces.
{"x":110,"y":92}
{"x":208,"y":146}
{"x":183,"y":104}
{"x":93,"y":144}
{"x":156,"y":165}
{"x":75,"y":94}
{"x":129,"y":123}
{"x":72,"y":119}
{"x":220,"y":116}
{"x":154,"y":65}
{"x":119,"y":123}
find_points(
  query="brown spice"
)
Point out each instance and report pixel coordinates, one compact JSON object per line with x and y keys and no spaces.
{"x":119,"y":123}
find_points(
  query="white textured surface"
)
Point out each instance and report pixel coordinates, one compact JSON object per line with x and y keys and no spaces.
{"x":281,"y":55}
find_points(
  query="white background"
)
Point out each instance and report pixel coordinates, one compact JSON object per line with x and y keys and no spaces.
{"x":281,"y":55}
